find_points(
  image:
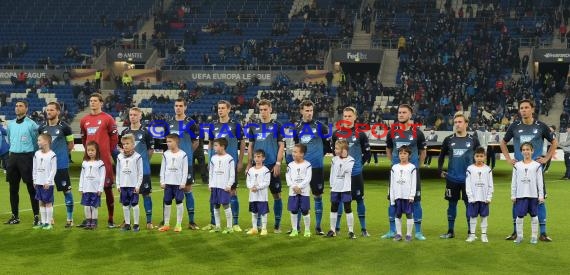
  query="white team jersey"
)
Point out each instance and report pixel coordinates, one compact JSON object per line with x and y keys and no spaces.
{"x":479,"y":183}
{"x":44,"y":167}
{"x":174,"y":168}
{"x":129,"y":170}
{"x":340,"y":177}
{"x":92,"y":177}
{"x":260,"y":178}
{"x":527,"y":180}
{"x":403,"y":180}
{"x":222,"y":171}
{"x":299,"y":174}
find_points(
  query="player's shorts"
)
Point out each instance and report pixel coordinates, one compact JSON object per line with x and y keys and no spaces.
{"x":190,"y":176}
{"x":455,"y":191}
{"x":341,"y":197}
{"x":173,"y":192}
{"x":357,"y":187}
{"x":62,"y":182}
{"x":219,"y":196}
{"x":275,"y":183}
{"x":146,"y":187}
{"x":235,"y":185}
{"x":403,"y":207}
{"x":477,"y":208}
{"x":90,"y":199}
{"x":525,"y":206}
{"x":44,"y":195}
{"x":317,"y":181}
{"x":129,"y":197}
{"x":299,"y":202}
{"x":259,"y":207}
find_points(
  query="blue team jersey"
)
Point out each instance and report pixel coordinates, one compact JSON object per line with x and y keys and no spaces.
{"x":534,"y":133}
{"x":232,"y":132}
{"x":314,"y":135}
{"x":460,"y":151}
{"x":4,"y":145}
{"x":414,"y":139}
{"x":266,"y":137}
{"x":187,"y":130}
{"x":60,"y":135}
{"x":358,"y":148}
{"x":143,"y":143}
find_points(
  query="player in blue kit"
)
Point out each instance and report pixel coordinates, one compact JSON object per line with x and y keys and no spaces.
{"x":231,"y":131}
{"x":405,"y":133}
{"x":528,"y":129}
{"x":144,"y":145}
{"x":187,"y":130}
{"x":359,"y":149}
{"x":460,"y":148}
{"x":266,"y":136}
{"x":61,"y":145}
{"x":314,"y":135}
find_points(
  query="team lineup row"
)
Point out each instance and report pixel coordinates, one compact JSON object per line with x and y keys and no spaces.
{"x":99,"y":128}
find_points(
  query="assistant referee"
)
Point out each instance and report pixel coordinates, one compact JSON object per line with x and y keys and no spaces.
{"x":22,"y":134}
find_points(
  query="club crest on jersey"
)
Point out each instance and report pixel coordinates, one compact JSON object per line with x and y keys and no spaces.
{"x":99,"y":122}
{"x":139,"y":136}
{"x":306,"y":139}
{"x":468,"y":144}
{"x":535,"y":131}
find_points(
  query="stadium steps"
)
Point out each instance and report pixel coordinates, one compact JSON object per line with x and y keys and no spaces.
{"x":389,"y":68}
{"x":556,"y":110}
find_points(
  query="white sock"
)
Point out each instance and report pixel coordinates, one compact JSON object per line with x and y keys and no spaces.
{"x":228,"y":217}
{"x":473,"y":225}
{"x":127,"y":213}
{"x":350,"y":221}
{"x":399,"y":226}
{"x":49,"y":214}
{"x":307,"y":220}
{"x":94,"y":213}
{"x":519,"y":222}
{"x":534,"y":226}
{"x":264,"y":222}
{"x":42,"y":214}
{"x":294,"y":222}
{"x":87,"y":210}
{"x":409,"y":226}
{"x":136,"y":214}
{"x":179,"y":213}
{"x":217,"y":217}
{"x":167,"y":209}
{"x":483,"y":225}
{"x":254,"y":220}
{"x":333,"y":220}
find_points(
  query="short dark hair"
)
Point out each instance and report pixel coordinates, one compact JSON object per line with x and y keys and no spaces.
{"x":56,"y":105}
{"x":306,"y":103}
{"x":181,"y":100}
{"x":302,"y":147}
{"x":174,"y":137}
{"x":225,"y":102}
{"x":405,"y":148}
{"x":222,"y":142}
{"x":527,"y":144}
{"x":23,"y":102}
{"x":259,"y":152}
{"x":480,"y":150}
{"x":530,"y":102}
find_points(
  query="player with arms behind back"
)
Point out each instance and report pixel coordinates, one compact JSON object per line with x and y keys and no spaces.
{"x":479,"y":189}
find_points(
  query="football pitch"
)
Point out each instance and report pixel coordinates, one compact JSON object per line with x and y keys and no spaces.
{"x":103,"y":251}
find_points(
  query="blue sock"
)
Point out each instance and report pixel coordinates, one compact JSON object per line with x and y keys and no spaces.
{"x":318,"y":211}
{"x":418,"y":214}
{"x":392,"y":218}
{"x":69,"y":204}
{"x":190,"y":206}
{"x":514,"y":221}
{"x":339,"y":216}
{"x":278,"y":210}
{"x":235,"y":209}
{"x":147,"y":202}
{"x":451,"y":215}
{"x":212,"y":218}
{"x":361,"y":210}
{"x":542,"y":218}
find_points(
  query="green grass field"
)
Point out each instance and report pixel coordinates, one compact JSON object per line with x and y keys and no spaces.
{"x":102,"y":251}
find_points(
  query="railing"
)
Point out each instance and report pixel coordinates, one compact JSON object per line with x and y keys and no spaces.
{"x":525,"y":42}
{"x":43,"y":67}
{"x":243,"y":67}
